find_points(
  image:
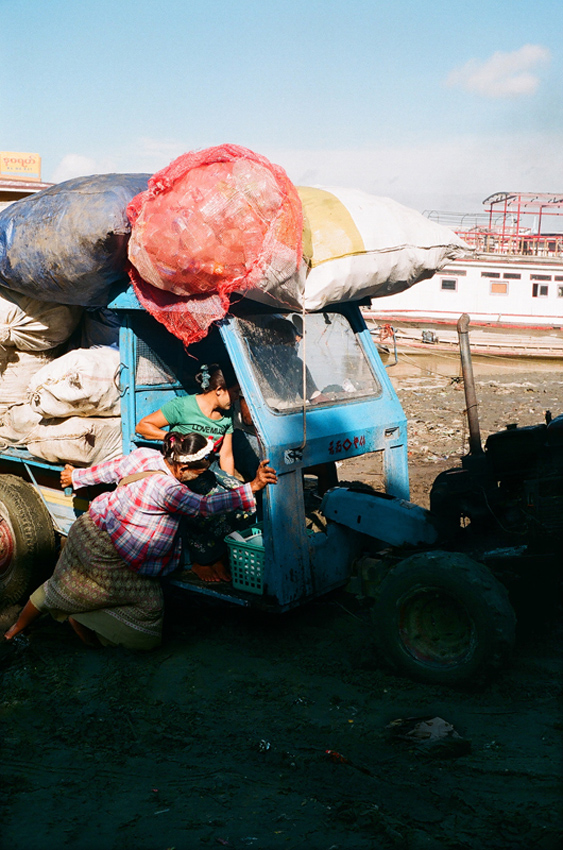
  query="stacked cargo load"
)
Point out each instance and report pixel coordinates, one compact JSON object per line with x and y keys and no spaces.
{"x":212,"y":226}
{"x":62,"y":253}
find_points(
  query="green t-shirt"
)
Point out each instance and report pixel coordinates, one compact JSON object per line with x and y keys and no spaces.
{"x":184,"y":414}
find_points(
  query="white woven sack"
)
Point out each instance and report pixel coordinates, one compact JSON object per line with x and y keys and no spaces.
{"x":358,"y":245}
{"x":400,"y":247}
{"x":17,"y":368}
{"x":78,"y":440}
{"x":31,"y":325}
{"x":83,"y":382}
{"x":17,"y":423}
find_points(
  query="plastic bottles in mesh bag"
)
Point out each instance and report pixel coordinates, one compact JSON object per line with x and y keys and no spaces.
{"x":212,"y":222}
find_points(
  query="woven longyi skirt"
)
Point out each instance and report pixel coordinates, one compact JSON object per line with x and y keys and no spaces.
{"x":95,"y":586}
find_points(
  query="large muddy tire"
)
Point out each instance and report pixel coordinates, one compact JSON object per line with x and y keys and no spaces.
{"x":27,"y":540}
{"x":442,"y":618}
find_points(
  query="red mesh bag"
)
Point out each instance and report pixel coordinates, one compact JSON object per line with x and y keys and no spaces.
{"x":212,"y":222}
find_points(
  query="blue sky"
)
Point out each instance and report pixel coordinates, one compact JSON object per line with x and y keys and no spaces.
{"x":435,"y":104}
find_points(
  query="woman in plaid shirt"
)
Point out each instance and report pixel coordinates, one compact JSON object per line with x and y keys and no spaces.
{"x":106,"y":579}
{"x":209,"y":413}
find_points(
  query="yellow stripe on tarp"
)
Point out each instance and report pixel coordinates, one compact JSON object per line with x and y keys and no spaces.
{"x":329,"y":231}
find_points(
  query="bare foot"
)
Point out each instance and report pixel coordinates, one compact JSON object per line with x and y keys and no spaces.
{"x":205,"y":572}
{"x":211,"y":572}
{"x":28,"y":614}
{"x":12,"y":632}
{"x":221,"y":571}
{"x":86,"y":635}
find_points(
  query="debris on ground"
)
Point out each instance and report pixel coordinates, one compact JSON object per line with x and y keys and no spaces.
{"x":434,"y":735}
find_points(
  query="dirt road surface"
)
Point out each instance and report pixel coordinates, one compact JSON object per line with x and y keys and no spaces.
{"x":266,"y":733}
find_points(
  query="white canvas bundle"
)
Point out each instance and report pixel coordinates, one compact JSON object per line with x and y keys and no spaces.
{"x":17,"y":423}
{"x":83,"y":382}
{"x":78,"y":440}
{"x":358,"y":245}
{"x":31,"y":325}
{"x":17,"y":368}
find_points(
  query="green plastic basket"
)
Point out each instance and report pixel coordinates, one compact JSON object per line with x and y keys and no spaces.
{"x":246,"y":560}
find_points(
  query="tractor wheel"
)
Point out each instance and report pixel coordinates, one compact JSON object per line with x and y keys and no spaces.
{"x":27,"y":540}
{"x":442,"y":618}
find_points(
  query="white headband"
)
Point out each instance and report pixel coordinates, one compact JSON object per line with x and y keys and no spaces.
{"x":207,"y":449}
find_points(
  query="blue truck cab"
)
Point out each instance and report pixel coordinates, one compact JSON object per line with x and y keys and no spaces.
{"x":317,"y":396}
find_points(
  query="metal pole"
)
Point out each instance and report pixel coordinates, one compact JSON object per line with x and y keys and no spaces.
{"x":475,"y":447}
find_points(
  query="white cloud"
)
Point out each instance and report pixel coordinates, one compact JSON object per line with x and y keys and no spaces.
{"x":503,"y":74}
{"x":74,"y":165}
{"x":147,"y":155}
{"x":454,"y":175}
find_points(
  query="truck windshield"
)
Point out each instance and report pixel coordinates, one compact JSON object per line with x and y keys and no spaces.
{"x":321,"y":360}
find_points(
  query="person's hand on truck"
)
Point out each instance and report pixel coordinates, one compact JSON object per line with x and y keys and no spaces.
{"x":264,"y":475}
{"x":66,"y":476}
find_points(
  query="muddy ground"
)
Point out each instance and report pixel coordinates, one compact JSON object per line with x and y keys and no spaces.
{"x":253,"y":732}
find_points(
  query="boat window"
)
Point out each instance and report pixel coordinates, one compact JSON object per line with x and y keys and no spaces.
{"x":449,"y":283}
{"x":512,"y":276}
{"x":337,"y":369}
{"x":558,"y":277}
{"x":560,"y":291}
{"x":490,"y":274}
{"x":499,"y":289}
{"x":539,"y":290}
{"x":540,"y":277}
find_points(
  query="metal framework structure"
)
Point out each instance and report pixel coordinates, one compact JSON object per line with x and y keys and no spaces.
{"x":511,"y":224}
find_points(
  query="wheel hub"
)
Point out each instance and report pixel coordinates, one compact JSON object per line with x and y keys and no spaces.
{"x":436,"y":629}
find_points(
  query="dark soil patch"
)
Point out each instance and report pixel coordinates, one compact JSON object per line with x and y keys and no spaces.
{"x":220,"y":738}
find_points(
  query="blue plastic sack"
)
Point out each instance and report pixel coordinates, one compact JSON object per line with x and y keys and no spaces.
{"x":99,"y":327}
{"x":68,"y":243}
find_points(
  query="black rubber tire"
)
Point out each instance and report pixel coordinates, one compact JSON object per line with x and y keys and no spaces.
{"x":27,"y":540}
{"x":443,"y":618}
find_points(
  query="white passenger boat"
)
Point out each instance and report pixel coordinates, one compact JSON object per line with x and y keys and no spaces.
{"x":510,"y":283}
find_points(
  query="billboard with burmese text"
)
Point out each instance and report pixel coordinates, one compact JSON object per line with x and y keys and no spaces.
{"x":20,"y":166}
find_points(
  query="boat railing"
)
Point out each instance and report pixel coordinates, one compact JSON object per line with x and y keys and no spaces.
{"x":533,"y":245}
{"x":514,"y":223}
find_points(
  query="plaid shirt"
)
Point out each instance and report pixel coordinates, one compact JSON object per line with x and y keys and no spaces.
{"x":142,"y":518}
